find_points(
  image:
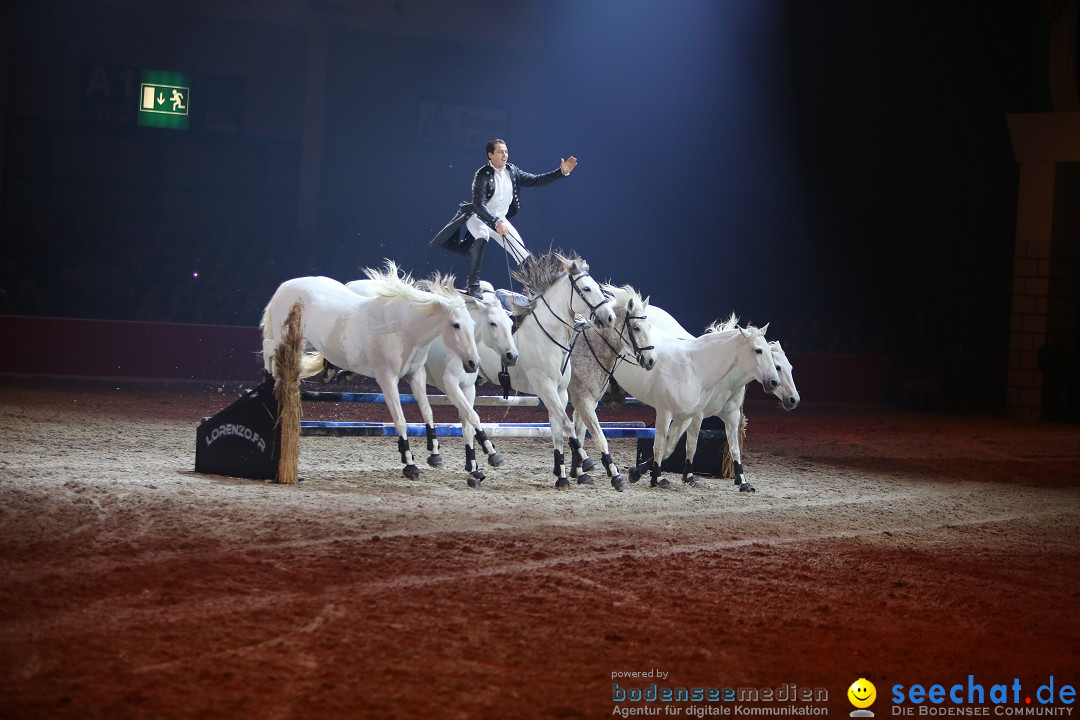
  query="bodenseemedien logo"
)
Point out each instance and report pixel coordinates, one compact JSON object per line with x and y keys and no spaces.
{"x":862,"y":694}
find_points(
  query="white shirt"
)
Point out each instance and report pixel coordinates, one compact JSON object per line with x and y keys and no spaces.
{"x":504,"y":194}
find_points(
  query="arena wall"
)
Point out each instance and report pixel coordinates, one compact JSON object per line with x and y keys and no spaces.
{"x":69,"y":347}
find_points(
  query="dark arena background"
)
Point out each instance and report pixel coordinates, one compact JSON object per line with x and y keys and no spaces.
{"x":894,"y":187}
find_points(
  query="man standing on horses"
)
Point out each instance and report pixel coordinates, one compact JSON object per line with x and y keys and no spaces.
{"x":495,"y":199}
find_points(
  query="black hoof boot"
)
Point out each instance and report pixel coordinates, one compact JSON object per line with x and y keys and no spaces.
{"x":635,"y":473}
{"x":495,"y":459}
{"x":619,"y":483}
{"x":692,"y":481}
{"x":588,"y":464}
{"x":656,"y":480}
{"x":562,"y":484}
{"x":475,"y":478}
{"x":584,"y":480}
{"x":434,"y":461}
{"x":747,"y":487}
{"x":411,"y":471}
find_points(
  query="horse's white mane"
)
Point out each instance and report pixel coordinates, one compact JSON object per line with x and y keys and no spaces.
{"x":437,"y":293}
{"x":623,"y":295}
{"x":546,"y":269}
{"x":443,"y":286}
{"x":721,"y":325}
{"x":775,"y":346}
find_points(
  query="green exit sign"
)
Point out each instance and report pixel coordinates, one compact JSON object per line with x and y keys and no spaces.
{"x":164,"y":99}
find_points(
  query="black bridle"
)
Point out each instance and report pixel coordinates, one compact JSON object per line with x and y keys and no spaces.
{"x":627,"y":336}
{"x":573,"y":279}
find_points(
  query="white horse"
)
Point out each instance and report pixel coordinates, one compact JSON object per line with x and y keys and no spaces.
{"x":727,"y":407}
{"x":594,"y":358}
{"x":385,"y":336}
{"x":559,"y":288}
{"x":445,"y":370}
{"x":687,"y":374}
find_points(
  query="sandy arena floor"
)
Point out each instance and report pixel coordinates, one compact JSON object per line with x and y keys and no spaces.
{"x":898,"y":547}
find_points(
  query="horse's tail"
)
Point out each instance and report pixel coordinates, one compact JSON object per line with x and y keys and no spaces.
{"x":287,"y":363}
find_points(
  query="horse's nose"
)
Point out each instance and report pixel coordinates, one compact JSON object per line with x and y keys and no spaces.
{"x":510,"y":358}
{"x":650,"y":363}
{"x":471,"y":365}
{"x":792,"y":403}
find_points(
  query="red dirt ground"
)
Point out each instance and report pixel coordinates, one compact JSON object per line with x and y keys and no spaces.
{"x":899,"y":547}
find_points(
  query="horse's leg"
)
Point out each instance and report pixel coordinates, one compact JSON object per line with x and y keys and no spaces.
{"x":476,"y":475}
{"x":269,"y":348}
{"x":637,"y":470}
{"x":692,"y":433}
{"x":579,"y":433}
{"x":388,"y":385}
{"x":493,"y":457}
{"x":587,"y":413}
{"x":418,"y":384}
{"x":663,"y":429}
{"x":560,"y":426}
{"x":731,"y":419}
{"x":652,"y":465}
{"x":577,"y":446}
{"x":577,"y":470}
{"x":463,"y":398}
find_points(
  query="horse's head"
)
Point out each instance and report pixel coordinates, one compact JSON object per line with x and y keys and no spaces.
{"x":459,"y":334}
{"x":786,"y":391}
{"x":458,"y":331}
{"x":587,"y":292}
{"x":632,"y":323}
{"x":764,"y":370}
{"x":494,"y":329}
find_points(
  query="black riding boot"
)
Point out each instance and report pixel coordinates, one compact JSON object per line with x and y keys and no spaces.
{"x":476,"y":259}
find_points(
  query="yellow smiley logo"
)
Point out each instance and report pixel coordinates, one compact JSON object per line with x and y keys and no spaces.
{"x":862,"y":693}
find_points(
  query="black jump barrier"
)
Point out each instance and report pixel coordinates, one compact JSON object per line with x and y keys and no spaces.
{"x":244,"y":439}
{"x":709,"y":458}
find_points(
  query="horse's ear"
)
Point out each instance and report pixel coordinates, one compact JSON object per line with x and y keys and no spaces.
{"x":764,"y":329}
{"x":645,"y":302}
{"x":745,"y":332}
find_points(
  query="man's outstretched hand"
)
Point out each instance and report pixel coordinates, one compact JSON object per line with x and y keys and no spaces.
{"x":567,"y":166}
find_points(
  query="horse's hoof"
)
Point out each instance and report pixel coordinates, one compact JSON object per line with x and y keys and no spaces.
{"x":747,"y":487}
{"x":434,"y":460}
{"x":661,"y":483}
{"x":475,"y":478}
{"x":562,"y":484}
{"x":588,"y":464}
{"x":634,"y":474}
{"x":692,"y":481}
{"x":495,"y":459}
{"x":584,"y":480}
{"x":411,"y":471}
{"x":619,"y":483}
